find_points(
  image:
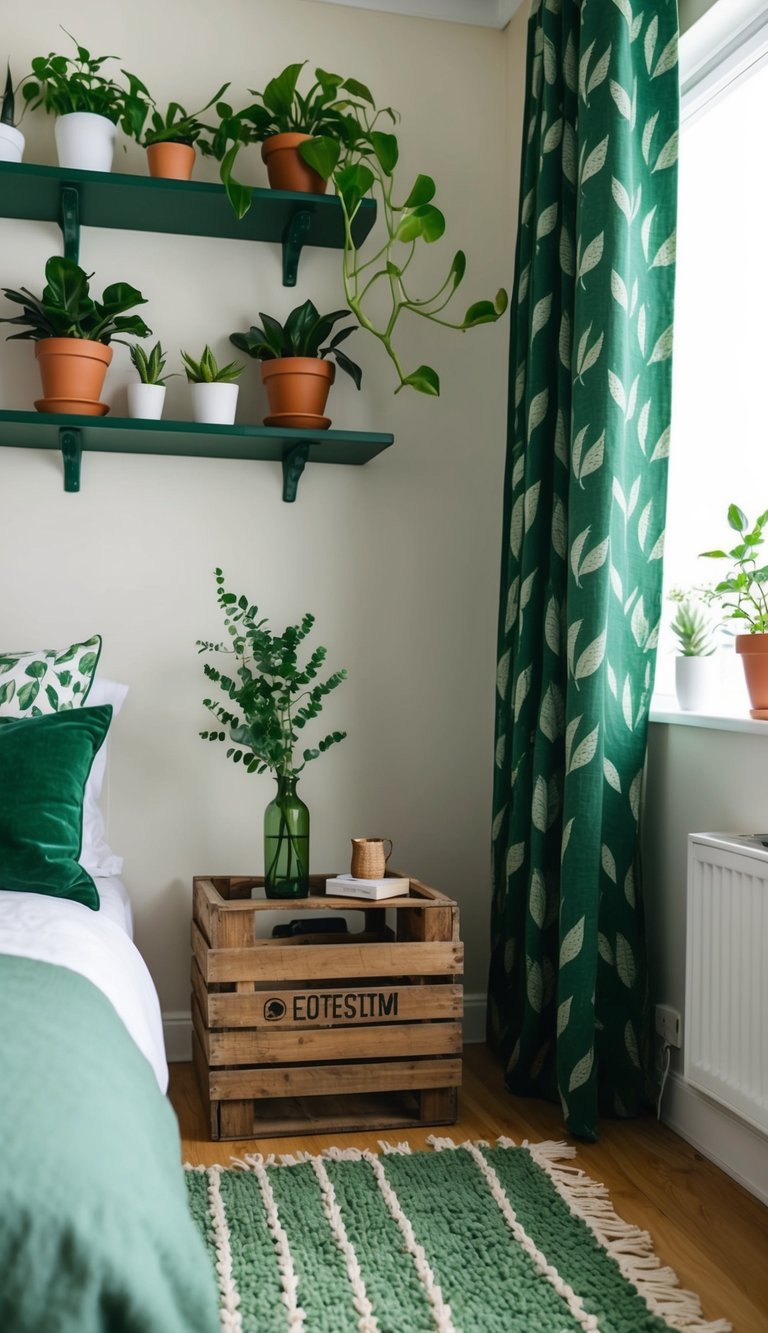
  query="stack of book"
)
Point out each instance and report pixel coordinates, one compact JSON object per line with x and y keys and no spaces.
{"x":346,"y":886}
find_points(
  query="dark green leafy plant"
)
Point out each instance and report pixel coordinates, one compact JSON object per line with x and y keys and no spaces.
{"x":176,"y":125}
{"x":743,"y":590}
{"x":303,"y":334}
{"x":330,"y":112}
{"x":66,"y":308}
{"x":8,"y":105}
{"x":150,"y":365}
{"x":207,"y":370}
{"x":269,"y":697}
{"x":62,"y":84}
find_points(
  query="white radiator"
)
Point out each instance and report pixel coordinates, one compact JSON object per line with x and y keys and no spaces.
{"x":726,"y":994}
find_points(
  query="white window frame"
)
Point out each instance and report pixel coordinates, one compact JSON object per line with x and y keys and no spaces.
{"x":731,"y":38}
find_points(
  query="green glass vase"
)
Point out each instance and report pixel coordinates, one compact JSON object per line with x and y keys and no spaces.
{"x":286,"y":843}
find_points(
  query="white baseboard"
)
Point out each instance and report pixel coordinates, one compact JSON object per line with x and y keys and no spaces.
{"x":177,"y":1034}
{"x":737,"y":1148}
{"x":177,"y":1028}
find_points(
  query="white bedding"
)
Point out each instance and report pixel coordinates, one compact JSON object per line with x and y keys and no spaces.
{"x":99,"y":946}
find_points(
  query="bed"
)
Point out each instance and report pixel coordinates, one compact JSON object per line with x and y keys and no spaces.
{"x":95,"y":1233}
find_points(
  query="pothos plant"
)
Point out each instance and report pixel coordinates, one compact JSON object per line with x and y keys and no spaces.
{"x":62,"y":84}
{"x":379,"y":289}
{"x":743,"y":591}
{"x":268,"y":697}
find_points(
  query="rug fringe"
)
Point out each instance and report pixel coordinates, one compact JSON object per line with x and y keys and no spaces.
{"x":631,"y":1247}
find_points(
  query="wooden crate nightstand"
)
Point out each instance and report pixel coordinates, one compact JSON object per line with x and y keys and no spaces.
{"x":314,"y":1033}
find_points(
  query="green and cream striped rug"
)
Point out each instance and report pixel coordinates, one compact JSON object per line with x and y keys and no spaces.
{"x":462,"y":1239}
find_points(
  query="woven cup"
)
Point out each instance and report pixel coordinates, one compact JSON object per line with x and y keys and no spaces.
{"x":369,"y":861}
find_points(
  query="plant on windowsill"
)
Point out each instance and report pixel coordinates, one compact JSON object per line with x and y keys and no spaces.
{"x":696,"y":666}
{"x":11,"y":138}
{"x":72,"y":333}
{"x":270,"y":698}
{"x":170,"y":138}
{"x":295,"y":367}
{"x":744,"y":597}
{"x":214,"y":392}
{"x":145,"y":399}
{"x":87,"y":106}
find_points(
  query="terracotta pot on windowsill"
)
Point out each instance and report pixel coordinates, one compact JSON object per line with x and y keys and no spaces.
{"x":753,"y":649}
{"x":286,"y":169}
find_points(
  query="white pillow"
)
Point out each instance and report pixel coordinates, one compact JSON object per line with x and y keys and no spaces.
{"x":96,"y":856}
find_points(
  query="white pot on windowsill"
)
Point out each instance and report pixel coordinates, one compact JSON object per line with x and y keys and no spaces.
{"x":214,"y":404}
{"x":145,"y":401}
{"x":11,"y":144}
{"x":85,"y":141}
{"x":697,"y":683}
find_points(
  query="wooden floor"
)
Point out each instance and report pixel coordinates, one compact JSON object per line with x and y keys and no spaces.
{"x":713,"y":1233}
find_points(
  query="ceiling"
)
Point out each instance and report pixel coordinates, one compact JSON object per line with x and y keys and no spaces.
{"x":483,"y":13}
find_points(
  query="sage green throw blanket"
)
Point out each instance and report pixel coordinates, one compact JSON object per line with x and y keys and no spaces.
{"x":95,"y":1235}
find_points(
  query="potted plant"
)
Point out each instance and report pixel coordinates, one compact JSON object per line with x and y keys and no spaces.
{"x":214,"y":393}
{"x":295,"y":368}
{"x":745,"y":599}
{"x":696,"y":667}
{"x":145,"y":399}
{"x":269,"y":699}
{"x":72,"y":334}
{"x":11,"y":138}
{"x":87,"y":106}
{"x":170,"y":137}
{"x":287,"y":124}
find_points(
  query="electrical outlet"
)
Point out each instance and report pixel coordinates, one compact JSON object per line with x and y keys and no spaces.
{"x":669,"y":1025}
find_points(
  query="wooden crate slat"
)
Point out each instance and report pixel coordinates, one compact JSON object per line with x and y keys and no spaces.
{"x":310,"y":1080}
{"x":325,"y":962}
{"x":340,"y":1044}
{"x":326,"y":1007}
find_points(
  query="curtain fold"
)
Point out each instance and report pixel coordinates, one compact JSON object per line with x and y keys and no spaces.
{"x":585,"y":490}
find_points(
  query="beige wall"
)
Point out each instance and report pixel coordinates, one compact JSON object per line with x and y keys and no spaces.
{"x":398,"y":560}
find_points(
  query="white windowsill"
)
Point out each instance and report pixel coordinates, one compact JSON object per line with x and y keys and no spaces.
{"x":664,"y":708}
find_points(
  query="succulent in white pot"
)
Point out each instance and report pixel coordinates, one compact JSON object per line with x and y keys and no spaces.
{"x":697,"y":667}
{"x":146,"y":399}
{"x":11,"y":138}
{"x":214,"y":392}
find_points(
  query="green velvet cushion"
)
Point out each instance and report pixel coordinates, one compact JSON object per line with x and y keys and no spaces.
{"x":44,"y":766}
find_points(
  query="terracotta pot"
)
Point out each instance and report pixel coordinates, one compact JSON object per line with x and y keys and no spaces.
{"x":298,"y":387}
{"x":72,"y":368}
{"x":286,"y":169}
{"x":174,"y":161}
{"x":753,"y":649}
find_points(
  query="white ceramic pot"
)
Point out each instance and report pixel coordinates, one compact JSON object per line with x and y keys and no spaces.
{"x":215,"y":404}
{"x":697,"y":683}
{"x":145,"y":401}
{"x":85,"y":141}
{"x":11,"y":144}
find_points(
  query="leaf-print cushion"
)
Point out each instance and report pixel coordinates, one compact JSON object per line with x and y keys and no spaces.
{"x":50,"y":680}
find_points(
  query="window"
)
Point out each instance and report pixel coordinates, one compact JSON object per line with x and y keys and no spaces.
{"x":719,"y":452}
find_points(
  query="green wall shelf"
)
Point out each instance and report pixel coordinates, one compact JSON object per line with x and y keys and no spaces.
{"x":75,"y":199}
{"x":75,"y":435}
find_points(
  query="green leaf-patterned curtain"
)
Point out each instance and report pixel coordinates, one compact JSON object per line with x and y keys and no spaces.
{"x":590,"y":389}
